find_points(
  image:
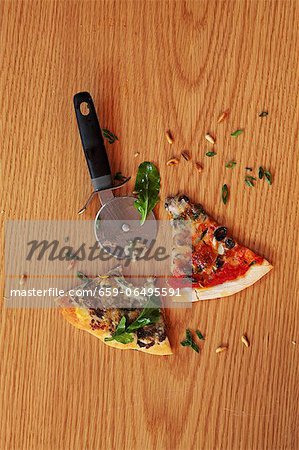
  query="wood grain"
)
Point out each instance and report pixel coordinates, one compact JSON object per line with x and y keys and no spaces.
{"x":154,"y":65}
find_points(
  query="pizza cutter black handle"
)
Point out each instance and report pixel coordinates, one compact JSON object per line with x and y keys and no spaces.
{"x":92,"y":141}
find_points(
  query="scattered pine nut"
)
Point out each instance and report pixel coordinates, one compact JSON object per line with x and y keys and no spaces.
{"x":294,"y":342}
{"x":210,"y":139}
{"x":245,"y":340}
{"x":23,"y":278}
{"x":2,"y":211}
{"x":186,"y":155}
{"x":172,"y":162}
{"x":223,"y":116}
{"x":136,"y":154}
{"x":198,"y":167}
{"x":221,"y":348}
{"x":169,"y":137}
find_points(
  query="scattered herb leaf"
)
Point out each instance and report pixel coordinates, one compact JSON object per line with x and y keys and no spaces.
{"x":261,"y":172}
{"x":200,"y":335}
{"x":263,"y":114}
{"x":225,"y":194}
{"x":82,"y":276}
{"x":119,"y":176}
{"x":188,"y":342}
{"x":249,"y":180}
{"x":230,"y":164}
{"x":211,"y":154}
{"x":111,"y":138}
{"x":237,"y":133}
{"x":150,"y":314}
{"x":268,"y":177}
{"x":124,"y":338}
{"x":147,"y":186}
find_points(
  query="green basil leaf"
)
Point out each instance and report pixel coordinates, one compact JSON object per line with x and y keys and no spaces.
{"x":211,"y":154}
{"x":147,"y":186}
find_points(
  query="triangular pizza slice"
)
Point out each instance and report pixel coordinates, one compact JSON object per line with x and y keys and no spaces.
{"x":137,"y":323}
{"x":219,"y":265}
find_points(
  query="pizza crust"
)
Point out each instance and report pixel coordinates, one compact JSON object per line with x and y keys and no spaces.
{"x":253,"y":274}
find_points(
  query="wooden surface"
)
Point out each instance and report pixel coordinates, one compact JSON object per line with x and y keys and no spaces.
{"x":152,"y":66}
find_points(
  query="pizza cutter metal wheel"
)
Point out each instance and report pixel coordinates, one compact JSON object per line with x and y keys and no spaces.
{"x":117,"y":223}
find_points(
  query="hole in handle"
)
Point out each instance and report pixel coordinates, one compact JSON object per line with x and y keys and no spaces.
{"x":84,"y":109}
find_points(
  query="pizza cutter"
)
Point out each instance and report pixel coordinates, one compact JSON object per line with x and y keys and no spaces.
{"x":117,"y":223}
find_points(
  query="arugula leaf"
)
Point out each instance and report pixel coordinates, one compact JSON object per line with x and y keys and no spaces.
{"x":237,"y":133}
{"x":225,"y":193}
{"x":147,"y":186}
{"x":124,"y":338}
{"x":111,"y":138}
{"x":200,"y":336}
{"x":188,"y":342}
{"x":230,"y":164}
{"x":148,"y":315}
{"x":211,"y":154}
{"x":121,"y":327}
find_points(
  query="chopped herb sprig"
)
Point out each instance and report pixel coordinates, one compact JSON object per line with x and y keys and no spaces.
{"x":230,"y":164}
{"x":189,"y":342}
{"x":111,"y":137}
{"x":123,"y":333}
{"x":237,"y":133}
{"x":225,"y":194}
{"x":200,"y":335}
{"x":210,"y":154}
{"x":249,"y":180}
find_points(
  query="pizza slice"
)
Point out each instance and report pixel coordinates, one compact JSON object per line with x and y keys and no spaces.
{"x":218,"y":265}
{"x":137,"y":323}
